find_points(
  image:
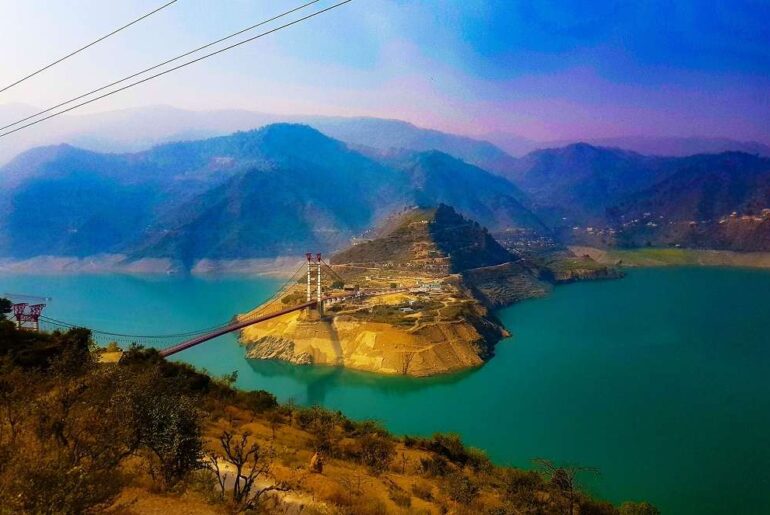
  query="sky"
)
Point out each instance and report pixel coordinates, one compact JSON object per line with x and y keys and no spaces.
{"x":544,"y":70}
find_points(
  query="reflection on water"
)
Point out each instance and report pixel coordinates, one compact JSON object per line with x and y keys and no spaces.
{"x":319,"y":380}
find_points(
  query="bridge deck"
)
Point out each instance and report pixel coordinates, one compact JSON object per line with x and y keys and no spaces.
{"x":235,"y":326}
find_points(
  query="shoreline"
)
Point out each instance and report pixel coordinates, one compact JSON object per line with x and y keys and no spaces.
{"x":104,"y":264}
{"x":283,"y":266}
{"x":651,"y":257}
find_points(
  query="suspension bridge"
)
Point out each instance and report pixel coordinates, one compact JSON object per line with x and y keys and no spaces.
{"x":303,"y":290}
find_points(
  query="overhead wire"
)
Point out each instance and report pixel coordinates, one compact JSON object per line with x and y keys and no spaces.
{"x":159,"y":65}
{"x":188,"y":63}
{"x":89,"y":45}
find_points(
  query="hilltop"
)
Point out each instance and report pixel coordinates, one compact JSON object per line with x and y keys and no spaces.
{"x":435,"y":240}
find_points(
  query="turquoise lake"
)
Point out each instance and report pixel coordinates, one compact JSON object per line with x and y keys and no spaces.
{"x":661,"y":380}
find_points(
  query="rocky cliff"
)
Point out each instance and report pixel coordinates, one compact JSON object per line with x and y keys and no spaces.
{"x":384,"y":348}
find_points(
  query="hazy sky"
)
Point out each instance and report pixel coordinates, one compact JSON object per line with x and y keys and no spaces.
{"x":543,"y":69}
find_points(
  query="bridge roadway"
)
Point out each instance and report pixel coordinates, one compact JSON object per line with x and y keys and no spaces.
{"x":238,"y":325}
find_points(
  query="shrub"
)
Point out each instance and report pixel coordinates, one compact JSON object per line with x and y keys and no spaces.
{"x":479,"y":461}
{"x":168,"y":427}
{"x":422,"y":491}
{"x":435,"y":466}
{"x":400,"y":497}
{"x":450,"y":446}
{"x":259,"y":401}
{"x":377,"y":451}
{"x":638,"y":508}
{"x":460,"y":488}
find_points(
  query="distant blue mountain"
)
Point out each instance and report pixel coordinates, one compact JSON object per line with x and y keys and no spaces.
{"x":277,"y":190}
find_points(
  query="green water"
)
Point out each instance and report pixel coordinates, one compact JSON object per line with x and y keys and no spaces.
{"x":660,"y":380}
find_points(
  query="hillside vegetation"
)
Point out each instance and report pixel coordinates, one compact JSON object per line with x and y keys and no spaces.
{"x":150,"y":436}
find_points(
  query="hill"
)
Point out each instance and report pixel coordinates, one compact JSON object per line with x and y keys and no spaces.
{"x":437,"y":239}
{"x":277,"y":190}
{"x":146,"y":435}
{"x":385,"y":135}
{"x":607,"y":196}
{"x":682,"y":146}
{"x":139,"y":129}
{"x":425,"y":285}
{"x":709,"y":201}
{"x":575,"y":184}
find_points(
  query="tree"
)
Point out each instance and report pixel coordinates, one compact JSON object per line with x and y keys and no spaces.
{"x":250,"y":463}
{"x":377,"y":451}
{"x":406,"y":360}
{"x":168,"y":428}
{"x":563,"y":478}
{"x":5,"y":307}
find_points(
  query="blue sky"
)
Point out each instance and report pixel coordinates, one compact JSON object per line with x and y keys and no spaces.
{"x":539,"y":69}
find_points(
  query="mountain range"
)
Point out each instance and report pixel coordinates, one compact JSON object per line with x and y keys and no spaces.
{"x":139,"y":129}
{"x":277,"y":190}
{"x":284,"y":188}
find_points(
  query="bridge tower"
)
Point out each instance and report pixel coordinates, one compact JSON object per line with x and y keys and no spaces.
{"x":311,"y":266}
{"x":319,"y":297}
{"x":28,"y":316}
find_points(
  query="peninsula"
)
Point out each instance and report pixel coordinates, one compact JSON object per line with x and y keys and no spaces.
{"x":437,"y":275}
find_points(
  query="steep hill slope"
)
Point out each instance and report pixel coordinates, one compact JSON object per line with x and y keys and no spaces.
{"x":579,"y":182}
{"x":304,"y":190}
{"x":704,"y":187}
{"x":437,"y":239}
{"x":694,"y":206}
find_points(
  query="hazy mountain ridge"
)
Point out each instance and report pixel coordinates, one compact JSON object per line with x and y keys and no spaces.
{"x":287,"y":187}
{"x":252,"y":194}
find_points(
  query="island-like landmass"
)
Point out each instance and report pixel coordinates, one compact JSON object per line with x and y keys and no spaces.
{"x":439,"y":276}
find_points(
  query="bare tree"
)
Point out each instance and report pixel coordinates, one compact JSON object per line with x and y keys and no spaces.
{"x":251,"y":464}
{"x":406,"y":360}
{"x":564,"y":477}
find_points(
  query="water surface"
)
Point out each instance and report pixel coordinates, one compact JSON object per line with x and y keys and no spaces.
{"x":660,"y":380}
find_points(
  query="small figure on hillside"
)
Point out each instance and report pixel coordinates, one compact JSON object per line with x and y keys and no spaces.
{"x":317,"y":463}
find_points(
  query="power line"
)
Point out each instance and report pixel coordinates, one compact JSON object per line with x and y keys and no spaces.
{"x":133,"y":75}
{"x":178,"y":67}
{"x":62,"y":323}
{"x":44,"y":68}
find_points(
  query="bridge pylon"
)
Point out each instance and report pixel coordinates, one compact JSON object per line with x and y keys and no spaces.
{"x":314,"y":265}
